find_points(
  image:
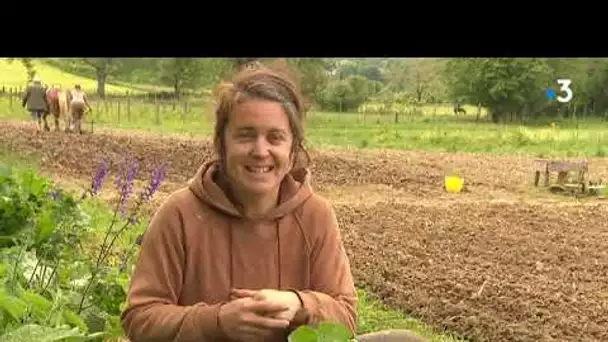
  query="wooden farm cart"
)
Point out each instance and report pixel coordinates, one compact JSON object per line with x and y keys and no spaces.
{"x":580,"y":184}
{"x":563,"y":168}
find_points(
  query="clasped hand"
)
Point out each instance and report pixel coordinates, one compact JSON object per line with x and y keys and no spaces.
{"x":258,"y":315}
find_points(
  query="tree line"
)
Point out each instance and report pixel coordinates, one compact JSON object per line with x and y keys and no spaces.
{"x":516,"y":88}
{"x":510,"y":88}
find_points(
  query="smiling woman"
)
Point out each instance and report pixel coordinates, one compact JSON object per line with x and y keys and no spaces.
{"x":247,"y":251}
{"x":258,"y":136}
{"x":257,"y":153}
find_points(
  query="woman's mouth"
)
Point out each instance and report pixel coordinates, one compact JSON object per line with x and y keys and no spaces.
{"x":259,"y":169}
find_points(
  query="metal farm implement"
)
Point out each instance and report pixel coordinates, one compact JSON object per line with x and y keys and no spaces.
{"x":578,"y":185}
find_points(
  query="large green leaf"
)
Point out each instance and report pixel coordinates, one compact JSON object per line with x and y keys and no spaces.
{"x":39,"y":306}
{"x":15,"y":307}
{"x":325,"y":332}
{"x":72,"y":318}
{"x":46,"y":225}
{"x":329,"y":332}
{"x":303,"y":333}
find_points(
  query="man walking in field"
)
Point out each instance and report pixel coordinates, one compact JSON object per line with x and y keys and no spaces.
{"x":35,"y":98}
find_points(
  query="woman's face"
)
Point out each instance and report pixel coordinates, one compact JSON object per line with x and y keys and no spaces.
{"x":258,"y":142}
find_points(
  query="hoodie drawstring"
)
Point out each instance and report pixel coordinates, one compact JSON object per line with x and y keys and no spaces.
{"x":230,"y":251}
{"x":278,"y":251}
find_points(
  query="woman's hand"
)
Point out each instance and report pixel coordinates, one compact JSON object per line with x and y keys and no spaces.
{"x":286,"y":298}
{"x":249,"y":319}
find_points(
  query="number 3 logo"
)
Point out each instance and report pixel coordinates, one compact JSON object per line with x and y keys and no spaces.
{"x":565,"y":87}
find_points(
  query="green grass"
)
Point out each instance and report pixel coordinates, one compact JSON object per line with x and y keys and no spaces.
{"x":450,"y":134}
{"x":424,"y":109}
{"x":440,"y":132}
{"x":15,"y":75}
{"x":375,"y":316}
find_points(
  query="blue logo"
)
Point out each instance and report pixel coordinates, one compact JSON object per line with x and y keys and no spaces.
{"x":564,"y":88}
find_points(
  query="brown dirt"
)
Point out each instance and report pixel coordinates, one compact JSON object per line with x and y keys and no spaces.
{"x":500,"y":262}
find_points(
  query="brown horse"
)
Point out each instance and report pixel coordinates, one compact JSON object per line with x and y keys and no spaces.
{"x":57,"y":100}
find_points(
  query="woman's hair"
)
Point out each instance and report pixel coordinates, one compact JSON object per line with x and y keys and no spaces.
{"x":275,"y":83}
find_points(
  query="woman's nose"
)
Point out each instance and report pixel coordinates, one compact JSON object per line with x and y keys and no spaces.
{"x":260,"y":147}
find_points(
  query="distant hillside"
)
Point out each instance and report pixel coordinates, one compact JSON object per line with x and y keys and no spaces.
{"x":14,"y":75}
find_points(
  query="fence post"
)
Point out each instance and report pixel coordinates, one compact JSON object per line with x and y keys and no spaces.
{"x":185,"y":110}
{"x":157,"y":118}
{"x":128,"y":97}
{"x":97,"y":109}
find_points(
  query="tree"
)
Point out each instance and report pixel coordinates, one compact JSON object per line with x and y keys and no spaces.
{"x":422,"y":78}
{"x":181,"y":74}
{"x":103,"y":67}
{"x":313,"y":75}
{"x":348,"y":94}
{"x":503,"y":85}
{"x":334,"y":96}
{"x":28,"y":65}
{"x":369,"y":68}
{"x":589,"y":80}
{"x":191,"y":73}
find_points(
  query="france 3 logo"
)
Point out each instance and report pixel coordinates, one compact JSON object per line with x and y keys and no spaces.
{"x":564,"y":88}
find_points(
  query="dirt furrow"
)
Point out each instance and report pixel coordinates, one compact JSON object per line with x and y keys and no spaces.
{"x":498,"y":272}
{"x":418,"y":174}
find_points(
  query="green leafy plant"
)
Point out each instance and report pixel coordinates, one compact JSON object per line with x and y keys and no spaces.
{"x":51,"y":287}
{"x":22,"y":195}
{"x":325,"y":332}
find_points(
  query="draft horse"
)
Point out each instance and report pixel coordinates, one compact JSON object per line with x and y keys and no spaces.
{"x":458,"y":109}
{"x":58,"y":100}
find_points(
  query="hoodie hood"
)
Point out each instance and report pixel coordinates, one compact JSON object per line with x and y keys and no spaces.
{"x":209,"y":186}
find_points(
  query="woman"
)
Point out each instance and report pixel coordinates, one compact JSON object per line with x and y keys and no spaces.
{"x":247,"y":251}
{"x":78,"y":103}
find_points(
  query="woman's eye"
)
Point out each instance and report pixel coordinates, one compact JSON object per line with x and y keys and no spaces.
{"x":246,"y":135}
{"x":275,"y":137}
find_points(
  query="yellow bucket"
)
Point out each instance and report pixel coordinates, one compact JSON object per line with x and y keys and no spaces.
{"x":453,"y":184}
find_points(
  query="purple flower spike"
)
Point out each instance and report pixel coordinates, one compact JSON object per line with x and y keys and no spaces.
{"x":120,"y":175}
{"x":127,"y":187}
{"x":155,"y":181}
{"x":98,"y":179}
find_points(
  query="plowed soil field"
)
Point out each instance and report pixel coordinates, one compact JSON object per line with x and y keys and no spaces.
{"x":502,"y":261}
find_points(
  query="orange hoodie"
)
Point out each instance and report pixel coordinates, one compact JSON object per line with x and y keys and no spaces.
{"x":199,"y":246}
